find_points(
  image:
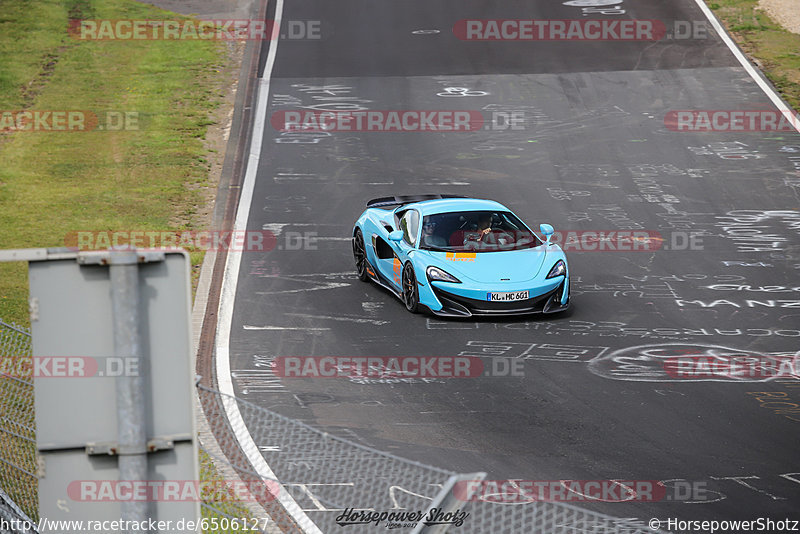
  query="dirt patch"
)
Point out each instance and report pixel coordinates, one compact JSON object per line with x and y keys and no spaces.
{"x":784,"y":12}
{"x":207,"y":9}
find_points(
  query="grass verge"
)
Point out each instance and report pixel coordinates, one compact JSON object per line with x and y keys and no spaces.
{"x":147,"y":172}
{"x":775,"y":50}
{"x":147,"y":175}
{"x":236,"y":515}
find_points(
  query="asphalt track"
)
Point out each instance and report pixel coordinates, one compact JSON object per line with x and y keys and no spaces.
{"x":592,"y":153}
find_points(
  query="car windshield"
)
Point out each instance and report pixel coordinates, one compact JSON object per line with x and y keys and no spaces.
{"x":475,"y":231}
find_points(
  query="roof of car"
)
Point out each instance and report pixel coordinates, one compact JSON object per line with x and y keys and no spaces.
{"x":428,"y":207}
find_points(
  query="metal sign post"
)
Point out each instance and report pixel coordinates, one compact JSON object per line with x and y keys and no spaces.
{"x":131,"y":435}
{"x":113,"y":387}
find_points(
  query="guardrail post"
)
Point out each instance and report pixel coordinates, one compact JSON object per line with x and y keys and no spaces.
{"x":445,"y":501}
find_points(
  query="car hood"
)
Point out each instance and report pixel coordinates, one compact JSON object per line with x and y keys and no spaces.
{"x":491,"y":267}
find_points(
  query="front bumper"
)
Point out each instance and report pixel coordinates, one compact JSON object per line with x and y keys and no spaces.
{"x":454,"y":305}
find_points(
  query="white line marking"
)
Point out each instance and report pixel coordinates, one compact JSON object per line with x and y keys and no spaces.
{"x":275,"y":228}
{"x":228,"y":295}
{"x":339,"y":318}
{"x":307,"y":224}
{"x":440,"y":183}
{"x":251,"y":327}
{"x":782,"y":106}
{"x":308,"y":177}
{"x":332,"y":285}
{"x":343,"y":273}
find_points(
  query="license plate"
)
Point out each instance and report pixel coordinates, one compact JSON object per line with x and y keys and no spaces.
{"x":507,"y":296}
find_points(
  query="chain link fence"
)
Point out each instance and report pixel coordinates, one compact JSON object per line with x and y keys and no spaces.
{"x":17,"y":427}
{"x":12,"y":519}
{"x":321,"y":475}
{"x":550,"y":518}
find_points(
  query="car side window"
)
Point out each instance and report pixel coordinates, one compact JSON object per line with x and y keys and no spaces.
{"x":409,"y":224}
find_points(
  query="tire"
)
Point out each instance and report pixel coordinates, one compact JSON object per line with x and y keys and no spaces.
{"x":360,"y":256}
{"x":410,"y":289}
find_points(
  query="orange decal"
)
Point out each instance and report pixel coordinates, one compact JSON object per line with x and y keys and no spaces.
{"x":460,"y":256}
{"x":398,"y":271}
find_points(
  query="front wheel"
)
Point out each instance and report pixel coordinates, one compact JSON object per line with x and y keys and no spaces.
{"x":410,"y":289}
{"x":360,"y":256}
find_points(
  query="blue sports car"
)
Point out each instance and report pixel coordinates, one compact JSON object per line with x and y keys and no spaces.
{"x":459,"y":257}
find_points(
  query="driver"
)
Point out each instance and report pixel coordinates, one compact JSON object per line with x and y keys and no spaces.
{"x":429,"y":238}
{"x":484,"y":225}
{"x":473,"y":239}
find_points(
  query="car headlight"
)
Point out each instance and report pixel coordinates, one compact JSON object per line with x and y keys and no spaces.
{"x":440,"y":275}
{"x":558,"y":269}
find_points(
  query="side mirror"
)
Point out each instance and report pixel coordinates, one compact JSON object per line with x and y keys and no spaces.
{"x":547,"y":230}
{"x":397,"y":235}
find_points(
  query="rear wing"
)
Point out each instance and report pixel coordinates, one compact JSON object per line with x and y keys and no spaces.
{"x":406,"y":199}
